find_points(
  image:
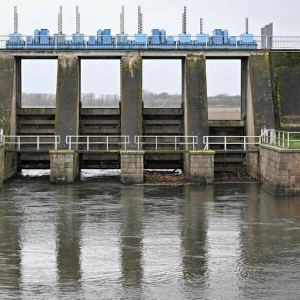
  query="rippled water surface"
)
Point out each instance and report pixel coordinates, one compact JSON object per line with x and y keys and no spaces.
{"x":98,"y":239}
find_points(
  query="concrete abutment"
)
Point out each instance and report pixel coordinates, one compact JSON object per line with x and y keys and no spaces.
{"x":199,"y":166}
{"x":64,"y":166}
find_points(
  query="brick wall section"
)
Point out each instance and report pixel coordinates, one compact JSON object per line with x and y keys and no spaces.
{"x":280,"y":170}
{"x":64,"y":166}
{"x":1,"y":164}
{"x":252,"y":165}
{"x":199,"y":166}
{"x":132,"y":167}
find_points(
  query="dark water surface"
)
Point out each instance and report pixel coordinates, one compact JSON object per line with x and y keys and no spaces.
{"x":98,"y":239}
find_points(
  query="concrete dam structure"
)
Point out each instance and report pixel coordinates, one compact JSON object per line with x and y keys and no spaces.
{"x":133,"y":138}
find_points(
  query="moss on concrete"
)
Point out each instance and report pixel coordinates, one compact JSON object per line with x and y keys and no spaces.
{"x":67,"y":97}
{"x":196,"y":106}
{"x":132,"y":97}
{"x":263,"y":107}
{"x":285,"y":70}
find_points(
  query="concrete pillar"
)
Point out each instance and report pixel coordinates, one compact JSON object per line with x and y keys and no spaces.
{"x":9,"y":76}
{"x":64,"y":166}
{"x":260,"y":108}
{"x":244,"y":85}
{"x":132,"y":166}
{"x":1,"y":164}
{"x":199,"y":166}
{"x":195,"y":99}
{"x":131,"y":101}
{"x":67,"y":98}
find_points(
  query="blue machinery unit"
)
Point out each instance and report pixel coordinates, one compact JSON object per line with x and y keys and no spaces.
{"x":41,"y":39}
{"x":104,"y":40}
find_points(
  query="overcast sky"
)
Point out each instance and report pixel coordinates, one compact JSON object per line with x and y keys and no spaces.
{"x":230,"y":15}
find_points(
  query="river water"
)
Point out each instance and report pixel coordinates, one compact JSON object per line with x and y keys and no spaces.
{"x":98,"y":239}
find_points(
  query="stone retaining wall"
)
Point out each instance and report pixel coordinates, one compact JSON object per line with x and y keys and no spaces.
{"x":280,"y":170}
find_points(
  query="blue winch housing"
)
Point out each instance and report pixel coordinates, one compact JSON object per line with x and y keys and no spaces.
{"x":42,"y":39}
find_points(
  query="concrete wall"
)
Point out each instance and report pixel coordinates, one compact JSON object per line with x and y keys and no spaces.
{"x":195,"y":99}
{"x":280,"y":170}
{"x":252,"y":165}
{"x":8,"y":108}
{"x":67,"y":98}
{"x":285,"y":67}
{"x":260,"y":108}
{"x":131,"y":97}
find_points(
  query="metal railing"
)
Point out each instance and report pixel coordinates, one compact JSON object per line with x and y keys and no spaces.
{"x":100,"y":140}
{"x":159,"y":142}
{"x":1,"y":135}
{"x":37,"y":140}
{"x":284,"y":139}
{"x":226,"y":141}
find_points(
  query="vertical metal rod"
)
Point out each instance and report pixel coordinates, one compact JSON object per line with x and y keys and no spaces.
{"x":59,"y":31}
{"x":288,"y":145}
{"x":19,"y":142}
{"x":244,"y":143}
{"x":175,"y":143}
{"x":156,"y":143}
{"x":247,"y":26}
{"x":140,"y":20}
{"x":122,"y":21}
{"x":201,"y":25}
{"x":77,"y":20}
{"x":16,"y":19}
{"x":107,"y":142}
{"x":225,"y":143}
{"x":184,"y":18}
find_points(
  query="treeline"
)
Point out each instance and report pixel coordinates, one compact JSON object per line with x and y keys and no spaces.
{"x":150,"y":100}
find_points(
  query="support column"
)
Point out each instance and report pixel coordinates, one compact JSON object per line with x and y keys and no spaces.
{"x":9,"y":75}
{"x":244,"y":84}
{"x":195,"y":99}
{"x":1,"y":164}
{"x":199,"y":166}
{"x":132,"y":166}
{"x":65,"y":163}
{"x":260,"y":108}
{"x":132,"y":99}
{"x":67,"y":98}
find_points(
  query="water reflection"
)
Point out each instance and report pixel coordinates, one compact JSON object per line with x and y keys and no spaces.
{"x":10,"y":246}
{"x":131,"y":235}
{"x":194,"y":233}
{"x":68,"y":239}
{"x":99,"y":239}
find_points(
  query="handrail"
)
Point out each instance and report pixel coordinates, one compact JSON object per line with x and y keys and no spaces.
{"x":106,"y":140}
{"x":280,"y":138}
{"x":31,"y":140}
{"x":231,"y":140}
{"x":140,"y":140}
